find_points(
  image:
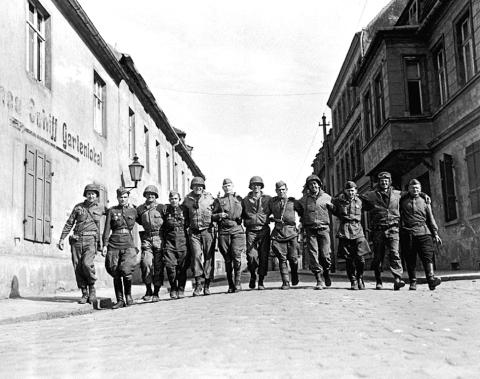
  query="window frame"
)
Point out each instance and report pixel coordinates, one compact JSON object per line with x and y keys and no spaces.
{"x":99,"y":97}
{"x":462,"y":68}
{"x":131,"y":133}
{"x":379,"y":98}
{"x":368,"y":114}
{"x":36,"y":41}
{"x":420,"y":83}
{"x":472,"y":157}
{"x":146,"y":143}
{"x":441,"y":73}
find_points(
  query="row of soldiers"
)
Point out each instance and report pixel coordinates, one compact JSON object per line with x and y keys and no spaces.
{"x":176,"y":236}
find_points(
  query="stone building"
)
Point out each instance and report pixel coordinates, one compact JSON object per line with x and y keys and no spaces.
{"x":417,"y":114}
{"x":72,"y":111}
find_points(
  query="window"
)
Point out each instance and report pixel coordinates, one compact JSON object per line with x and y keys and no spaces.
{"x":147,"y":148}
{"x":465,"y":48}
{"x":367,"y":109}
{"x":352,"y":162}
{"x":379,"y":101}
{"x":38,"y":196}
{"x":98,"y":104}
{"x":36,"y":41}
{"x":175,"y":177}
{"x":159,"y":161}
{"x":348,"y":173}
{"x":413,"y":13}
{"x":441,"y":73}
{"x":358,"y":154}
{"x":131,"y":133}
{"x":339,"y":179}
{"x":169,"y":172}
{"x":448,"y":188}
{"x":414,"y":86}
{"x":473,"y":166}
{"x":184,"y":188}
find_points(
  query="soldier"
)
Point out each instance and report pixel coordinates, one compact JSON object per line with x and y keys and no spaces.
{"x":227,"y":212}
{"x":151,"y":263}
{"x":383,"y":206}
{"x":199,"y":205}
{"x":175,"y":245}
{"x":352,"y":243}
{"x":417,"y":234}
{"x":85,"y":240}
{"x":255,"y":219}
{"x":119,"y":247}
{"x":314,"y":208}
{"x":284,"y":234}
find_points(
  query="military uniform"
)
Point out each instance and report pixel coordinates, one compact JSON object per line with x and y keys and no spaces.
{"x":255,"y":219}
{"x":175,"y":250}
{"x":201,"y":236}
{"x":85,"y":241}
{"x":352,"y":243}
{"x":231,"y":237}
{"x":121,"y":251}
{"x":151,"y":263}
{"x":284,"y":237}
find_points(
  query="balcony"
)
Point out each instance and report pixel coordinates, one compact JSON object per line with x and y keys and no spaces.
{"x":399,"y":146}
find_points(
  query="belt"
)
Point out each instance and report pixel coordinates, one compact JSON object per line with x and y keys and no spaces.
{"x":121,"y":231}
{"x":91,"y":233}
{"x":151,"y":234}
{"x":383,"y":227}
{"x":198,"y":231}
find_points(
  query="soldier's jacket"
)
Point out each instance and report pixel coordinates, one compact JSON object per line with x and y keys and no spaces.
{"x":231,"y":204}
{"x":314,"y":210}
{"x":150,"y":217}
{"x":349,"y":213}
{"x":384,"y":208}
{"x":416,"y":215}
{"x":174,"y":227}
{"x":283,"y":212}
{"x":199,"y":210}
{"x":120,"y":222}
{"x":255,"y":211}
{"x":86,"y":218}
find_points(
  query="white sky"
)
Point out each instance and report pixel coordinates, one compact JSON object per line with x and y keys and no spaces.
{"x":248,"y":80}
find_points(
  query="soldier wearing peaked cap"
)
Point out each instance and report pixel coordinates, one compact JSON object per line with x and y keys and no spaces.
{"x":119,"y":247}
{"x":227,"y":212}
{"x":85,"y":240}
{"x":255,"y":219}
{"x":149,"y":215}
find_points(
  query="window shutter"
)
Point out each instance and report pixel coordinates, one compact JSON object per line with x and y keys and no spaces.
{"x":29,"y":221}
{"x":47,"y":229}
{"x":473,"y":165}
{"x":448,"y":188}
{"x":39,"y":196}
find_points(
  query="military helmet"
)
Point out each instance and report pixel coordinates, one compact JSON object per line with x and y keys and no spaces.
{"x":150,"y":189}
{"x":197,"y":181}
{"x":385,"y":175}
{"x":91,"y":187}
{"x":313,"y":178}
{"x":255,"y":180}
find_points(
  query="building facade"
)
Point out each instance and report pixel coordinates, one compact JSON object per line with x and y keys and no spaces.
{"x":72,"y":111}
{"x":418,"y":111}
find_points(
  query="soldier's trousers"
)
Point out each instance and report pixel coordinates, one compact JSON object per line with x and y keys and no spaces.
{"x":231,"y":247}
{"x":286,"y":251}
{"x":176,"y":263}
{"x":386,"y":242}
{"x":83,"y":255}
{"x":413,"y":246}
{"x":258,"y":249}
{"x":203,"y":253}
{"x":318,"y":248}
{"x":151,"y":262}
{"x":121,"y":262}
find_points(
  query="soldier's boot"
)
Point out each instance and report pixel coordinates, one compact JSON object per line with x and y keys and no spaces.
{"x":127,"y":286}
{"x":182,"y":279}
{"x":261,"y":286}
{"x":285,"y":282}
{"x":92,"y":294}
{"x":206,"y":287}
{"x":148,"y":293}
{"x":155,"y":296}
{"x":351,"y":274}
{"x":197,"y":290}
{"x":229,"y":272}
{"x":432,"y":280}
{"x":172,"y":279}
{"x":253,"y":280}
{"x":84,"y":298}
{"x":328,"y":280}
{"x":319,"y":285}
{"x":294,"y":273}
{"x":412,"y":284}
{"x":398,"y":283}
{"x":360,"y":282}
{"x":360,"y":266}
{"x":412,"y":277}
{"x":117,"y":285}
{"x":238,"y":279}
{"x":173,"y":291}
{"x":378,"y":279}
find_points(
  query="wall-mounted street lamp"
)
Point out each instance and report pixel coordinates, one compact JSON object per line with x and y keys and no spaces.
{"x":136,"y":171}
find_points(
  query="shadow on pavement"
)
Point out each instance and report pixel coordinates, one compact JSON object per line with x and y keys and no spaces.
{"x":53,"y":299}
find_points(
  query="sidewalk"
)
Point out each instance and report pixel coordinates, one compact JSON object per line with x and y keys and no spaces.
{"x":65,"y":304}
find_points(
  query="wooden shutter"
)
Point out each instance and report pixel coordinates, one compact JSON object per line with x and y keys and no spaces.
{"x":47,"y":212}
{"x":29,"y":220}
{"x":448,"y":188}
{"x":39,"y":195}
{"x":473,"y":165}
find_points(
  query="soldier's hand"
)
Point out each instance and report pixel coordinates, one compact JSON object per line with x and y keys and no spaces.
{"x":437,"y":239}
{"x":60,"y":244}
{"x":104,"y":251}
{"x":224,"y":215}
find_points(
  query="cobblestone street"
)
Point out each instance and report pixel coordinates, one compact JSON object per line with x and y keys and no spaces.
{"x":272,"y":333}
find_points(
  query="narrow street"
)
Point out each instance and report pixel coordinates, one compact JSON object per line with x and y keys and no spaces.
{"x":272,"y":333}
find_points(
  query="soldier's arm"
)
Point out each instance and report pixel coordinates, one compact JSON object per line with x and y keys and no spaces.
{"x":366,"y":204}
{"x":431,"y":223}
{"x":67,"y":227}
{"x":217,"y":212}
{"x":298,"y":207}
{"x":106,"y":230}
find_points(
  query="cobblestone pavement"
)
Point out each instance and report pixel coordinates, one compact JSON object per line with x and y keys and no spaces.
{"x":272,"y":333}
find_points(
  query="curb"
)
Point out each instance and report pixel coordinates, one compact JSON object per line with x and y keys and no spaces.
{"x":46,"y":316}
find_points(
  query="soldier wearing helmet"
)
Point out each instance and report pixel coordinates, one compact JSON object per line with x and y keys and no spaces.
{"x":255,"y":219}
{"x":227,"y":212}
{"x":314,"y":209}
{"x":85,"y":240}
{"x":199,"y":206}
{"x":151,"y":263}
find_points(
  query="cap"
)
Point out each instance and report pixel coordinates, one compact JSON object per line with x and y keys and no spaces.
{"x":414,"y":182}
{"x":121,"y":191}
{"x":227,"y":181}
{"x":385,"y":175}
{"x":174,"y":193}
{"x":280,"y":184}
{"x":349,"y":185}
